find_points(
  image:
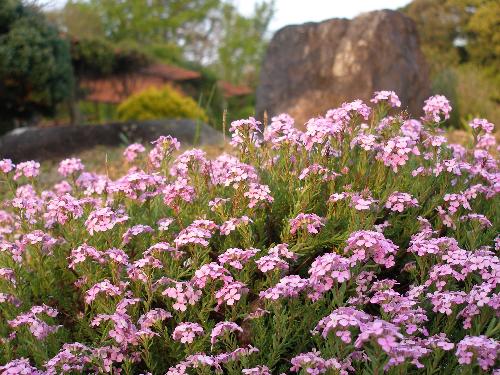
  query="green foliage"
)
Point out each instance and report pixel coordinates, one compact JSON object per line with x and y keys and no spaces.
{"x":165,"y":52}
{"x":210,"y":32}
{"x":439,"y":24}
{"x":478,"y":94}
{"x":94,"y":57}
{"x":157,"y":104}
{"x":461,"y":41}
{"x":243,"y":43}
{"x":159,"y":21}
{"x":77,"y":18}
{"x":35,"y":69}
{"x":482,"y":28}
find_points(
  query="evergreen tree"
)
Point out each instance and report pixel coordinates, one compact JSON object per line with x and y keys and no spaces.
{"x":35,"y":65}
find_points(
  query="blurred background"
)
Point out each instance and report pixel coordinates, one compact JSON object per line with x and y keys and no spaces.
{"x":100,"y":61}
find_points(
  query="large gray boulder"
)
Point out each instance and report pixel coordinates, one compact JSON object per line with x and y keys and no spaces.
{"x":313,"y":67}
{"x":61,"y":141}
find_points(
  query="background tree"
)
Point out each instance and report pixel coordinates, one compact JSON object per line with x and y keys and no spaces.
{"x":35,"y":68}
{"x":243,"y":42}
{"x":77,"y":18}
{"x":461,"y":40}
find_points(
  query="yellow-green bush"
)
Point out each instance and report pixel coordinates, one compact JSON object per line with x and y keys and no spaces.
{"x":156,"y":103}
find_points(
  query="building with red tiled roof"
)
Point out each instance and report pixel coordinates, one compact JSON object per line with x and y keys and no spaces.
{"x":229,"y":90}
{"x":170,"y":72}
{"x":115,"y":89}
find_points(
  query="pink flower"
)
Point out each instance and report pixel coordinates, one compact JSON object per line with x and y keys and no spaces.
{"x":367,"y":142}
{"x":184,"y":294}
{"x":152,"y":317}
{"x":389,"y":96}
{"x":221,"y":328}
{"x":270,"y":262}
{"x":186,"y":332}
{"x":482,"y":124}
{"x":37,"y":327}
{"x":61,"y":209}
{"x":313,"y":364}
{"x":230,"y":171}
{"x":8,"y":274}
{"x":164,"y":247}
{"x":164,"y":224}
{"x":217,"y":203}
{"x":231,"y":224}
{"x":135,"y":231}
{"x":395,"y":153}
{"x":384,"y":333}
{"x":27,"y":169}
{"x":480,"y":349}
{"x":210,"y":272}
{"x":366,"y":244}
{"x":82,"y":252}
{"x":6,"y":165}
{"x":163,"y":147}
{"x":281,"y":131}
{"x":398,"y":202}
{"x":319,"y":130}
{"x":444,"y":302}
{"x":312,"y":222}
{"x":193,"y":161}
{"x":362,"y":202}
{"x":131,"y":152}
{"x":340,"y":321}
{"x":259,"y":370}
{"x":325,"y":271}
{"x":436,"y":106}
{"x":230,"y":293}
{"x":177,"y":192}
{"x":20,"y":366}
{"x":245,"y":131}
{"x":316,"y":169}
{"x":70,"y":166}
{"x":258,"y":195}
{"x":198,"y":232}
{"x":288,"y":286}
{"x":105,"y":287}
{"x":103,"y":219}
{"x":237,"y":257}
{"x":482,"y":220}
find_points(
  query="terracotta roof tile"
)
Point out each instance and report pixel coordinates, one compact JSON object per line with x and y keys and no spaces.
{"x":115,"y":90}
{"x":229,"y":90}
{"x":170,"y":72}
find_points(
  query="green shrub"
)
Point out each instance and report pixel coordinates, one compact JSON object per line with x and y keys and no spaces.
{"x":160,"y":103}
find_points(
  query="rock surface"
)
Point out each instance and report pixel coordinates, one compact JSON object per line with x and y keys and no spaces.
{"x":62,"y":141}
{"x":313,"y":67}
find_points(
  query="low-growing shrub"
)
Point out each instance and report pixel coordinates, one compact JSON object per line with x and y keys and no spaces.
{"x":162,"y":103}
{"x":365,"y":244}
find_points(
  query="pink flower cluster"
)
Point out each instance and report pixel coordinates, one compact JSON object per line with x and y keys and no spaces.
{"x":309,"y":244}
{"x":70,"y":166}
{"x":389,"y":96}
{"x":132,"y":151}
{"x":39,"y":328}
{"x":435,"y":107}
{"x":398,"y":202}
{"x":103,"y":219}
{"x":311,"y":222}
{"x":186,"y":332}
{"x":363,"y":245}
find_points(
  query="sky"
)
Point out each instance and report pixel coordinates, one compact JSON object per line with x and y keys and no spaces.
{"x":289,"y":12}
